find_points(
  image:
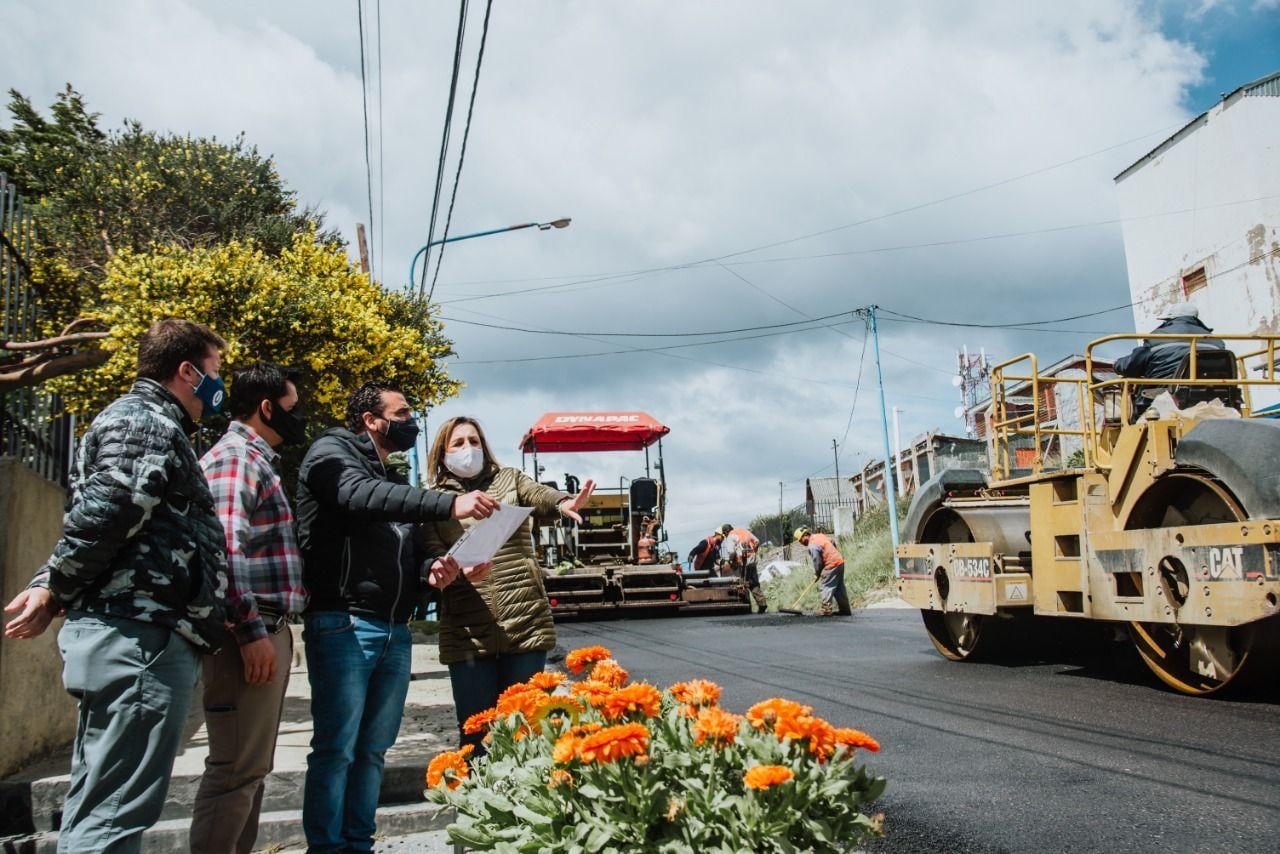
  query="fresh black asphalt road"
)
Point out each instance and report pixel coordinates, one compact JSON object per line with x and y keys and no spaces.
{"x":1065,"y":751}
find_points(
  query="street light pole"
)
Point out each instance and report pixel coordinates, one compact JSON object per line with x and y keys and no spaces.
{"x":889,"y":491}
{"x":563,"y":222}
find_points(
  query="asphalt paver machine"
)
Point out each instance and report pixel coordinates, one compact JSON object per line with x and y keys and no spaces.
{"x":618,"y":560}
{"x":1157,"y":510}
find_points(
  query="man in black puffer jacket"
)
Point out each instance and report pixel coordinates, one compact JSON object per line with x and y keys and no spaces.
{"x":1161,"y":358}
{"x":366,"y":571}
{"x":141,"y":572}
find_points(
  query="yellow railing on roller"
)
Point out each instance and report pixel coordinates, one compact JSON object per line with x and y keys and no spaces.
{"x":1021,"y":420}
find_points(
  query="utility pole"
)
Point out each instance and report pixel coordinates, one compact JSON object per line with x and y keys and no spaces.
{"x":890,"y":493}
{"x":782,"y":523}
{"x":835,"y":452}
{"x":364,"y":248}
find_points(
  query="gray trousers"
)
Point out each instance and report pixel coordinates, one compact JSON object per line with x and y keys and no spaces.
{"x":134,"y":682}
{"x":833,"y":590}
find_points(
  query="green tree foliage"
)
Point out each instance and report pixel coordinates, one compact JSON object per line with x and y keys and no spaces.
{"x":137,"y":225}
{"x":100,"y":192}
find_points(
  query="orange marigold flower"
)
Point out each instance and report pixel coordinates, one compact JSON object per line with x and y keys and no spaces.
{"x":578,"y":660}
{"x":480,"y":721}
{"x":560,"y":777}
{"x":594,"y":693}
{"x":526,"y":701}
{"x":566,"y":747}
{"x":545,"y":681}
{"x":822,"y":738}
{"x":687,"y":711}
{"x":609,"y":672}
{"x":696,"y":692}
{"x":449,"y":769}
{"x":856,"y":738}
{"x":820,"y":735}
{"x":768,"y":712}
{"x":633,"y":699}
{"x":615,"y":742}
{"x":717,"y":726}
{"x":766,"y":776}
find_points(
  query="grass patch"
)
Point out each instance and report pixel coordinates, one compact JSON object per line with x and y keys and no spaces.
{"x":868,"y":564}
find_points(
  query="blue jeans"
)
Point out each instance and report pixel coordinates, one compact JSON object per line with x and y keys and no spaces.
{"x":477,"y":682}
{"x":134,"y":682}
{"x":359,"y":672}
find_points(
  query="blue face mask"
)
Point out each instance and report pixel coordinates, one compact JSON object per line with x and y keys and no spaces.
{"x":212,"y":391}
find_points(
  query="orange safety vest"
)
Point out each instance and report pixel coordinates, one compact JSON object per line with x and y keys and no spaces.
{"x":709,"y":549}
{"x":746,"y":539}
{"x":830,"y":554}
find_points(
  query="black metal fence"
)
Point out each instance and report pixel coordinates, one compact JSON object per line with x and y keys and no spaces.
{"x":33,"y":426}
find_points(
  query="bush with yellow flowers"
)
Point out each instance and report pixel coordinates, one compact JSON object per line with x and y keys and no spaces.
{"x":605,"y":764}
{"x":306,"y":307}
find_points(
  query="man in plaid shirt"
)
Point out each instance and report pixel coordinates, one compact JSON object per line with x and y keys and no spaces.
{"x":244,"y":686}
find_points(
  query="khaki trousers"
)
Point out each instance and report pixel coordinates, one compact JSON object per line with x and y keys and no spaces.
{"x":243,"y":721}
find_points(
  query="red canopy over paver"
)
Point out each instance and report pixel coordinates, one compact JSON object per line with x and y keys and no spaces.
{"x":573,"y":432}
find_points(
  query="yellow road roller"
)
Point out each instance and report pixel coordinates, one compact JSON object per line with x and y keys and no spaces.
{"x":1156,"y":508}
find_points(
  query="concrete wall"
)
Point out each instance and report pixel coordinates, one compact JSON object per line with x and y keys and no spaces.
{"x":36,"y":714}
{"x":1223,"y":172}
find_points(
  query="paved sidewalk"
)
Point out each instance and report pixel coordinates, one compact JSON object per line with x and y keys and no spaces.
{"x":429,"y":726}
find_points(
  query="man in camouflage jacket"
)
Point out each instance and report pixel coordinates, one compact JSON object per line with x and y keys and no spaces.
{"x":141,"y":572}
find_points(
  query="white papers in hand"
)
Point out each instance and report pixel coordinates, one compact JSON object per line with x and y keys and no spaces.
{"x":481,"y":541}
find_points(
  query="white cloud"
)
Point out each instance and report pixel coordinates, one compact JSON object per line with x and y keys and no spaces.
{"x":675,"y":132}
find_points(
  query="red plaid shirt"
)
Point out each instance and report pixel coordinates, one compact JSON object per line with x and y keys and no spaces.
{"x":263,"y":561}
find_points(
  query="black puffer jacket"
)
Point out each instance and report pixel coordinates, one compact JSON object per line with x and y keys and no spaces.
{"x":1161,"y":358}
{"x":361,"y":551}
{"x":141,"y":539}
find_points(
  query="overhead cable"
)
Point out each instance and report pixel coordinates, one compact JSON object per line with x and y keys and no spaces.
{"x":444,"y":142}
{"x":364,"y":101}
{"x":462,"y":152}
{"x":382,"y":184}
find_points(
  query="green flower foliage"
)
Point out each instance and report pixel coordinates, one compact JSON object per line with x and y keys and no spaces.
{"x":679,"y":796}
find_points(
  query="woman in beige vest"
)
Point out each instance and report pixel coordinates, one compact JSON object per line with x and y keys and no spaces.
{"x":495,"y":632}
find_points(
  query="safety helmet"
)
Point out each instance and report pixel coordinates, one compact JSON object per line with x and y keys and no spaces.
{"x":726,"y":528}
{"x":801,"y":533}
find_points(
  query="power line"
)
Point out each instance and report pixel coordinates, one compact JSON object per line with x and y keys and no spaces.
{"x":444,"y":141}
{"x":702,"y":334}
{"x":364,"y":101}
{"x":462,"y":152}
{"x":1028,"y":325}
{"x":647,"y":349}
{"x":867,"y":220}
{"x":382,"y":184}
{"x":633,"y":275}
{"x":679,"y":356}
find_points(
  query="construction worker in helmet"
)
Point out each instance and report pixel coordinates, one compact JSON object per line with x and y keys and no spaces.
{"x":828,"y":567}
{"x":706,"y":554}
{"x":740,"y":549}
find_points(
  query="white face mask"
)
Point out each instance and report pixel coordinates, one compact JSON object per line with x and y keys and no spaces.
{"x":465,"y":462}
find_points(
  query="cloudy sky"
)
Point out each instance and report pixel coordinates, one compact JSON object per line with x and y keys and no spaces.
{"x":744,"y":164}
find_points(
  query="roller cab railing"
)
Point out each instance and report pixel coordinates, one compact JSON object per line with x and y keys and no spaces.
{"x":1031,"y":436}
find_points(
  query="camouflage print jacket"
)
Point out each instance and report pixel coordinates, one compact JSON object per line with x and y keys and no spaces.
{"x":141,"y":539}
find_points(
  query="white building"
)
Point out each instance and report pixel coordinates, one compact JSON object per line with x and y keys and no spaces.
{"x":1202,"y":216}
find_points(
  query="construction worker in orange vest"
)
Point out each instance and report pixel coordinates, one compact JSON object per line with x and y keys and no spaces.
{"x":828,"y":566}
{"x":706,"y":554}
{"x":740,"y":548}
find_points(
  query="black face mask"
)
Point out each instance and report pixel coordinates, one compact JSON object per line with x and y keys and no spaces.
{"x":291,"y":426}
{"x":403,"y":434}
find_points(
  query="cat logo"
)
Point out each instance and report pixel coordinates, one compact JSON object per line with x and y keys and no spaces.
{"x":1226,"y":562}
